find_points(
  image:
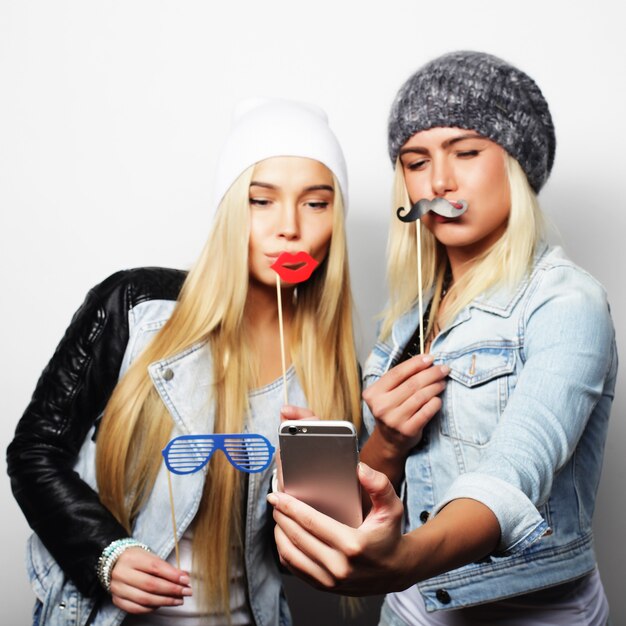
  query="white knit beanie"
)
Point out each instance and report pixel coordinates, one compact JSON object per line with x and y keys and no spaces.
{"x":262,"y":128}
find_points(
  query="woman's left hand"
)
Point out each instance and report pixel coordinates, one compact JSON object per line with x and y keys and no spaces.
{"x":142,"y":582}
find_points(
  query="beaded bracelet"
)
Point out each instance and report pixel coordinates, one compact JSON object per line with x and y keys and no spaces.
{"x":109,"y":557}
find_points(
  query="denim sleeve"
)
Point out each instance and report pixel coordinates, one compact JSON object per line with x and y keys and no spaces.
{"x":569,"y":368}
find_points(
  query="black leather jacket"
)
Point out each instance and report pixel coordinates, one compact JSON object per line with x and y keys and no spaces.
{"x":70,"y":397}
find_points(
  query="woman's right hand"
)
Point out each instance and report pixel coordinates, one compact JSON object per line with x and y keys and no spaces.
{"x":377,"y":557}
{"x":402,"y":402}
{"x":405,"y":399}
{"x":142,"y":582}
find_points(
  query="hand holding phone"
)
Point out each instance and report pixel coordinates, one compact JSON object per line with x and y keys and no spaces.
{"x":319,"y":464}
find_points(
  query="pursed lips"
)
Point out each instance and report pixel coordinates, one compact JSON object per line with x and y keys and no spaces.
{"x":294,"y":267}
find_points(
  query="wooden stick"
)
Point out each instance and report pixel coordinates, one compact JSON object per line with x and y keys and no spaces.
{"x":418,"y":231}
{"x":282,"y":336}
{"x":169,"y":485}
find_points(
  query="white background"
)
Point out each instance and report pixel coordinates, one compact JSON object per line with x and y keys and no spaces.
{"x":111,"y":115}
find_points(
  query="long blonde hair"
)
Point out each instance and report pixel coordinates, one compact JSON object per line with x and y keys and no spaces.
{"x":504,"y":263}
{"x":136,"y":424}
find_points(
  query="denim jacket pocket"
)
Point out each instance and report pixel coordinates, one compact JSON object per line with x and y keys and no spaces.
{"x":482,"y":378}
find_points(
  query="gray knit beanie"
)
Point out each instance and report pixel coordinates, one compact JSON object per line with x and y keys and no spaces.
{"x":480,"y":92}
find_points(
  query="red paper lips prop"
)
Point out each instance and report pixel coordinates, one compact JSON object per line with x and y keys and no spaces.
{"x":294,"y":268}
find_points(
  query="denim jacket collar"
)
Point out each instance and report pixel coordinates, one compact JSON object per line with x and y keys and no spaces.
{"x":499,"y":301}
{"x":184,"y":381}
{"x":502,"y":300}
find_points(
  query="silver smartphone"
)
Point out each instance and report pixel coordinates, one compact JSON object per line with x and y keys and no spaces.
{"x":319,"y":460}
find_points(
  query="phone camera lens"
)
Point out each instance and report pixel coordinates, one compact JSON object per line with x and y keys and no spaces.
{"x":293,"y":430}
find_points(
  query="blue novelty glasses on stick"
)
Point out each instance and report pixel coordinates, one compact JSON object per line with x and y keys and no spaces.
{"x":246,"y":452}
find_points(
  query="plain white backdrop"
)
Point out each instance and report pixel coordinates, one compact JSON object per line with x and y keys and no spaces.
{"x":112,"y":113}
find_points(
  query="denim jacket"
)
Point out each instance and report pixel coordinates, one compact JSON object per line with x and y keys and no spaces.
{"x":184,"y":383}
{"x":522,"y":428}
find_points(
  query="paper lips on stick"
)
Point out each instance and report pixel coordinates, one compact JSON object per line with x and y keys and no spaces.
{"x":294,"y":268}
{"x":442,"y":207}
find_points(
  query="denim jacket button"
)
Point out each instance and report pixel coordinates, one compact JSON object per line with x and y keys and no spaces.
{"x":443,"y":596}
{"x":168,"y":374}
{"x":424,"y":515}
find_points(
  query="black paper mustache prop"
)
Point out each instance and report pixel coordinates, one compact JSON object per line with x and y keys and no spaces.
{"x":440,"y":206}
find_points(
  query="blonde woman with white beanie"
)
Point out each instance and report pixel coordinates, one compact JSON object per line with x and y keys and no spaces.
{"x":155,"y":353}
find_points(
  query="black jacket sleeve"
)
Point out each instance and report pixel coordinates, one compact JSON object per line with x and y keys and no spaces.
{"x":70,"y":396}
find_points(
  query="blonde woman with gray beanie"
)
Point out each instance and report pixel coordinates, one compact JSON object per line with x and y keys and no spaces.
{"x":156,"y":353}
{"x":482,"y":484}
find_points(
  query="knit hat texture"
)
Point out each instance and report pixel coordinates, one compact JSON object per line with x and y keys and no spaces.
{"x":480,"y":92}
{"x":262,"y":128}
